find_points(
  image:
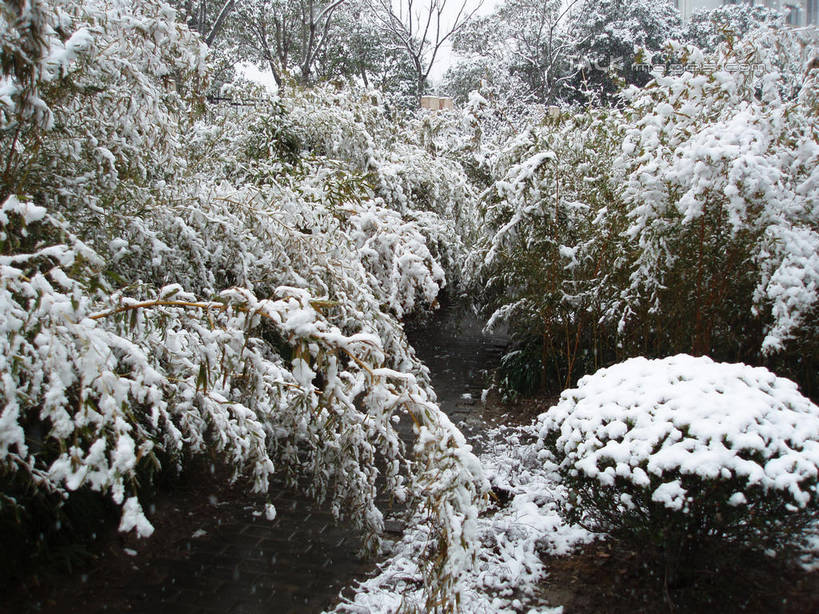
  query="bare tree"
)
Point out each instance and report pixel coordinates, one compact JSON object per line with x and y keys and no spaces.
{"x":286,"y":34}
{"x":546,"y":44}
{"x":420,"y":28}
{"x":534,"y":40}
{"x":208,"y":17}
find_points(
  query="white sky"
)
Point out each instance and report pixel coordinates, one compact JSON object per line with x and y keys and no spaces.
{"x":250,"y":72}
{"x":446,"y":57}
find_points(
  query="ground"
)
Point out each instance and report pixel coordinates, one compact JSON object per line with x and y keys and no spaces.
{"x":610,"y":578}
{"x":124,"y":574}
{"x":212,"y":552}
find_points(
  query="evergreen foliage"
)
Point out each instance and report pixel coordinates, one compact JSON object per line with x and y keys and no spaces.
{"x":178,"y":283}
{"x":689,"y":458}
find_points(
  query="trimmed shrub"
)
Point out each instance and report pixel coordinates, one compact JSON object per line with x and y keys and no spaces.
{"x":687,"y":456}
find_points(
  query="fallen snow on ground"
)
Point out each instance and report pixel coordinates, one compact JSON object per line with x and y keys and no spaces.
{"x":636,"y":419}
{"x":521,"y":526}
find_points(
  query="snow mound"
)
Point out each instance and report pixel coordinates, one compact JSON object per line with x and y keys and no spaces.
{"x":657,"y":423}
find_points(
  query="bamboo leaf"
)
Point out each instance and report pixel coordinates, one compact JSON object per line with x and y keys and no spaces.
{"x":202,"y":379}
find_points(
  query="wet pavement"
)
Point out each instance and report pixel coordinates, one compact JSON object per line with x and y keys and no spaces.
{"x":212,"y":555}
{"x":222,"y":556}
{"x":297,"y":563}
{"x":460,"y":357}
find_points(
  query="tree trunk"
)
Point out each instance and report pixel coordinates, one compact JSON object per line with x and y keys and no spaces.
{"x":220,"y":22}
{"x":276,"y":75}
{"x":363,"y":71}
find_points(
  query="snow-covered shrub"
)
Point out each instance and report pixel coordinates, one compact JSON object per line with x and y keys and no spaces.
{"x":609,"y":234}
{"x":175,"y":284}
{"x":399,"y":159}
{"x":259,"y":381}
{"x":688,"y":455}
{"x":97,"y":118}
{"x":719,"y":169}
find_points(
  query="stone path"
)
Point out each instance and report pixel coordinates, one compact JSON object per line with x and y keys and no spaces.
{"x":244,"y":564}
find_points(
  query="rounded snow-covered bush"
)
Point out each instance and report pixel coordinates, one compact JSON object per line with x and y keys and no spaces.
{"x":685,"y":453}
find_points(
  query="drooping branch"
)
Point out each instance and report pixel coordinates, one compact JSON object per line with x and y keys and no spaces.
{"x":210,"y":305}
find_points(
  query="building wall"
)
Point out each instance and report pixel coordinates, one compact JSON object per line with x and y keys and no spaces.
{"x":436,"y":103}
{"x":807,"y":12}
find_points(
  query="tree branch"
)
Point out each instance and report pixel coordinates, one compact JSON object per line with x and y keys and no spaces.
{"x":220,"y":22}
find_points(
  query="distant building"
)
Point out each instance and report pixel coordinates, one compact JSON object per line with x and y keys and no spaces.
{"x":796,"y":12}
{"x":437,"y":103}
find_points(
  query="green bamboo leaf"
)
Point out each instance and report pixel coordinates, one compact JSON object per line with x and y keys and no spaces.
{"x":202,"y":379}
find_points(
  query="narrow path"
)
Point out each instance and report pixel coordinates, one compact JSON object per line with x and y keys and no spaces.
{"x":210,"y":553}
{"x":460,"y":357}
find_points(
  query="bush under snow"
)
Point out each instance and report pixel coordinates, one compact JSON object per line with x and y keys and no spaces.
{"x":683,"y":452}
